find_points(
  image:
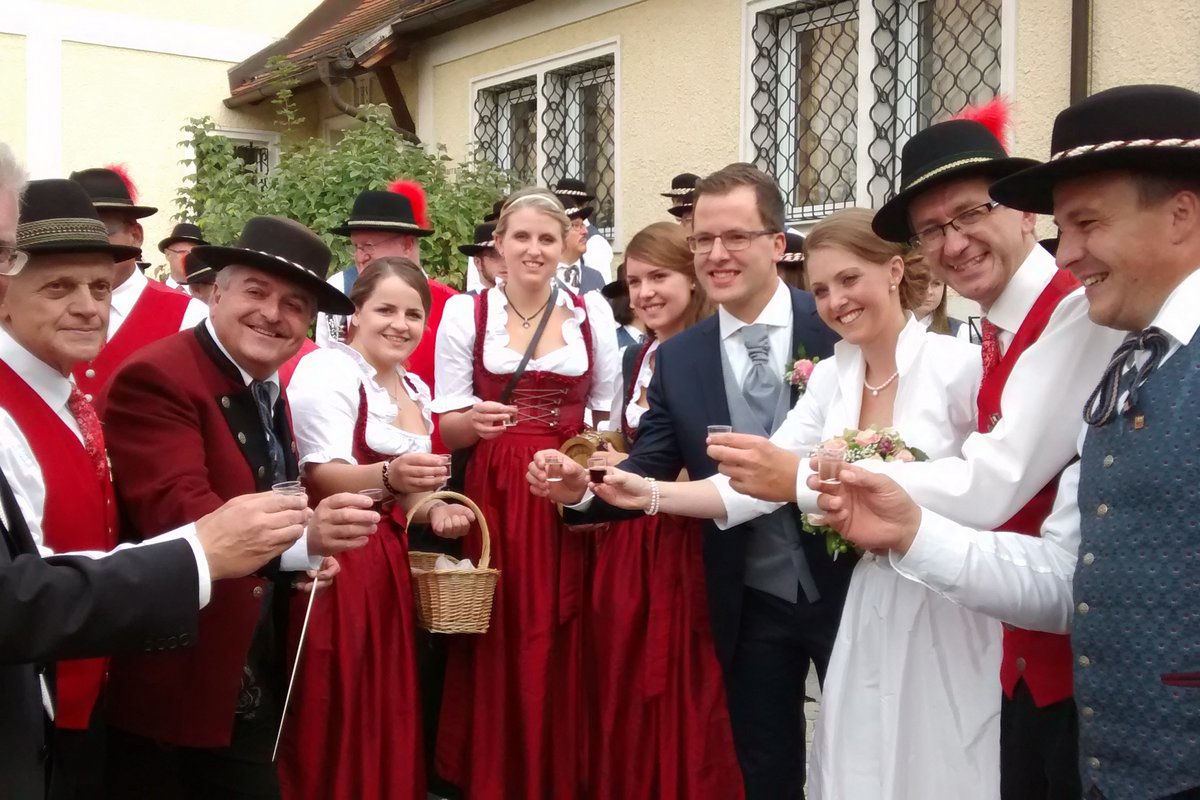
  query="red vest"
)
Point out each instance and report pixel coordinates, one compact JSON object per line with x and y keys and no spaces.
{"x":157,"y":313}
{"x":421,"y":360}
{"x":1042,"y":659}
{"x":79,"y":515}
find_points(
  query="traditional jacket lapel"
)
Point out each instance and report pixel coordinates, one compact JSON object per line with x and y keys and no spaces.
{"x":710,"y":378}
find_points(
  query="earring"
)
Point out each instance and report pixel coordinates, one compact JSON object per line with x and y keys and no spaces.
{"x":892,"y":288}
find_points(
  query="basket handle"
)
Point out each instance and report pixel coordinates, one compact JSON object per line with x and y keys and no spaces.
{"x":485,"y":555}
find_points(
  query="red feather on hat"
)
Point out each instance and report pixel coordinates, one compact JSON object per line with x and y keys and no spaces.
{"x":123,"y":172}
{"x":992,"y":115}
{"x":416,"y":197}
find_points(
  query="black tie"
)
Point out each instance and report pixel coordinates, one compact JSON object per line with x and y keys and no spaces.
{"x":1102,"y":405}
{"x":266,"y":413}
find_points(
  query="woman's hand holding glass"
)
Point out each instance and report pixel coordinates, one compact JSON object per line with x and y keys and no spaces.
{"x":624,"y":490}
{"x":413,"y":473}
{"x":490,"y":418}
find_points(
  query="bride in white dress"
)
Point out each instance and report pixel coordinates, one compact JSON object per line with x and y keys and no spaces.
{"x":911,"y":698}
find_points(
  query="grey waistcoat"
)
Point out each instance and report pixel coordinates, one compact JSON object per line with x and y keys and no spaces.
{"x":775,"y":562}
{"x":1137,"y":591}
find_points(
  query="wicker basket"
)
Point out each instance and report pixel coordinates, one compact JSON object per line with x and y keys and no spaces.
{"x":454,"y":602}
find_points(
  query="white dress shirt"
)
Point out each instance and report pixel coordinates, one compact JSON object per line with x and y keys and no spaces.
{"x":25,"y":474}
{"x":598,"y":254}
{"x":1042,"y":406}
{"x":296,"y":557}
{"x":453,"y":368}
{"x":125,"y":297}
{"x":1026,"y":580}
{"x":324,"y":398}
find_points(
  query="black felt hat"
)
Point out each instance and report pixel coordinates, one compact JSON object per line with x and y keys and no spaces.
{"x":494,"y":214}
{"x":793,"y":252}
{"x":57,"y":216}
{"x":1147,"y":128}
{"x":682,"y":185}
{"x":285,"y":248}
{"x":485,"y":239}
{"x":385,"y":211}
{"x":183,"y":232}
{"x":197,"y":270}
{"x":110,"y":191}
{"x":950,"y":150}
{"x":573,"y":188}
{"x":618,"y":288}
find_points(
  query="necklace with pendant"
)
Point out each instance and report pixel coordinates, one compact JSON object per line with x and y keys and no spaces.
{"x":875,"y":390}
{"x":524,"y":319}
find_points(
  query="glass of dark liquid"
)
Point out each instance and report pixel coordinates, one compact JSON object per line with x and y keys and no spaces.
{"x":377,"y":497}
{"x":597,"y":468}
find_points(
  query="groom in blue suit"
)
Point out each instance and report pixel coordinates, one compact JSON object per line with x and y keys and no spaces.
{"x":774,"y":594}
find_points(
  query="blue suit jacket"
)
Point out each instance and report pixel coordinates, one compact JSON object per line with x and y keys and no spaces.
{"x":686,"y":395}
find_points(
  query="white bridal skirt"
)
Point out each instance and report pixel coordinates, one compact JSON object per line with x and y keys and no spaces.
{"x":911,"y":704}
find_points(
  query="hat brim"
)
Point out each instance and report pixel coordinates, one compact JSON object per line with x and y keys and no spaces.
{"x":170,"y":240}
{"x":201,"y":276}
{"x":891,"y":220}
{"x":329,"y":298}
{"x":118,"y":252}
{"x":680,"y":210}
{"x":137,"y":212}
{"x":397,"y":227}
{"x":580,"y":212}
{"x":615,"y":289}
{"x":474,"y":249}
{"x":1032,"y":189}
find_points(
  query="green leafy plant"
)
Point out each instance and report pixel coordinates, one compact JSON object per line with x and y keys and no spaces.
{"x":315,"y":183}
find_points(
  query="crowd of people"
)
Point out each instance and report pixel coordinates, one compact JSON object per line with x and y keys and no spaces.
{"x":205,"y":580}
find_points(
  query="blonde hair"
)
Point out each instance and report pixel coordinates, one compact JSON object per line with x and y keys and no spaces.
{"x":664,"y":244}
{"x":850,"y":230}
{"x":538,"y":199}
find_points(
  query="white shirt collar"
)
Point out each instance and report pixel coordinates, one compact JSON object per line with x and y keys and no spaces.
{"x":1023,"y":289}
{"x":126,"y":295}
{"x":247,"y":378}
{"x":50,"y":384}
{"x":1179,"y":316}
{"x":777,"y":313}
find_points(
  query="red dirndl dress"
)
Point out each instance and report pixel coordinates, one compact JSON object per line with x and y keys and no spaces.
{"x":512,"y":716}
{"x":659,"y":721}
{"x":354,"y":722}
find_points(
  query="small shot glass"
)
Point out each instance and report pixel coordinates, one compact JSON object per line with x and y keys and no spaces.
{"x":715,"y":430}
{"x":554,"y":469}
{"x":597,"y":468}
{"x":377,"y":497}
{"x":829,"y":461}
{"x":512,"y":419}
{"x":288,"y":487}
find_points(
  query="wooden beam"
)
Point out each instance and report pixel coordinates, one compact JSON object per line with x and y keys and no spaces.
{"x":395,"y":99}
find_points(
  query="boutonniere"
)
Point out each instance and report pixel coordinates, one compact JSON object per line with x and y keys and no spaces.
{"x":801,"y":370}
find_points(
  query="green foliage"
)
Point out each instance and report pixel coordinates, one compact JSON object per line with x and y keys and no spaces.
{"x":315,"y":183}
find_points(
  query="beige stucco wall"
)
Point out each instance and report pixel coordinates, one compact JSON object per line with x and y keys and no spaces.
{"x":12,"y":91}
{"x":678,"y":91}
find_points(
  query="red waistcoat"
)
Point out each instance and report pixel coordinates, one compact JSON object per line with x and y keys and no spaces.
{"x":1042,"y":659}
{"x":421,"y":360}
{"x":157,"y":313}
{"x":79,"y":515}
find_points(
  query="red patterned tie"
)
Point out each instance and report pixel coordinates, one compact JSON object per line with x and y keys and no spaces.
{"x":991,"y":346}
{"x":89,"y":426}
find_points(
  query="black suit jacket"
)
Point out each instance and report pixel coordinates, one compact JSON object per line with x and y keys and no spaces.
{"x":686,"y":395}
{"x":75,"y":607}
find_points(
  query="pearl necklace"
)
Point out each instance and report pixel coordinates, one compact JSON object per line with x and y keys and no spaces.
{"x":875,"y":390}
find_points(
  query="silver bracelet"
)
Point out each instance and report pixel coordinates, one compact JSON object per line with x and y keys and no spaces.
{"x":655,"y":497}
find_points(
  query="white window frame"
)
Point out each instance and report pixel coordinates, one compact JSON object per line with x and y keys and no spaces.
{"x":865,"y":88}
{"x":538,"y":69}
{"x":269,"y":138}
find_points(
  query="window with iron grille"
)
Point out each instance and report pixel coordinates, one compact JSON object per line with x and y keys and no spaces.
{"x":558,"y":121}
{"x":506,"y":126}
{"x":258,"y":150}
{"x":833,"y":139}
{"x":578,"y":122}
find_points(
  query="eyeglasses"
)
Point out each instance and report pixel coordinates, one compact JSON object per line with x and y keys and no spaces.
{"x":933,"y":236}
{"x":179,"y":251}
{"x":12,"y":259}
{"x":733,"y":241}
{"x":367,"y":248}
